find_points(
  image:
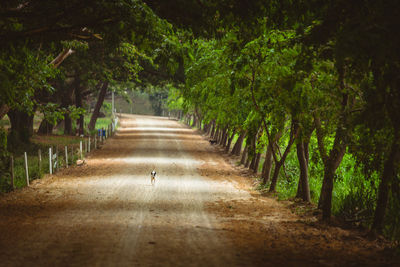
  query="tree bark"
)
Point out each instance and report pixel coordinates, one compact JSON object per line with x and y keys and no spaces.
{"x":303,"y":190}
{"x":45,"y":127}
{"x":99,"y":103}
{"x":244,"y":155}
{"x":267,"y":166}
{"x":194,"y":122}
{"x":293,"y":135}
{"x":237,"y":148}
{"x":212,"y":130}
{"x":216,"y":133}
{"x":223,"y":136}
{"x":389,"y":173}
{"x":61,"y":57}
{"x":256,"y":163}
{"x":228,"y":146}
{"x":67,"y":101}
{"x":79,"y":104}
{"x":248,"y":161}
{"x":333,"y":161}
{"x":21,"y":127}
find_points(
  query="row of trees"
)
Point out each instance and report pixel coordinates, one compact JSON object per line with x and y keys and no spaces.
{"x":325,"y":71}
{"x":55,"y":59}
{"x":276,"y":75}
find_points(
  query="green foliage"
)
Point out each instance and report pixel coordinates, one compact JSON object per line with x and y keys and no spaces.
{"x":22,"y":72}
{"x":107,"y":108}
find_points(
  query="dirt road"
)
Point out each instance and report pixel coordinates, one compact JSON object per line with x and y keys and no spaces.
{"x":200,"y":212}
{"x":107,"y":213}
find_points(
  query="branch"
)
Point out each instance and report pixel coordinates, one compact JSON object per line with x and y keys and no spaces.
{"x":61,"y":57}
{"x":320,"y":139}
{"x":270,"y":143}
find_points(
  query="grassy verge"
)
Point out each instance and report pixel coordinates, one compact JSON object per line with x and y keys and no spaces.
{"x":40,"y":145}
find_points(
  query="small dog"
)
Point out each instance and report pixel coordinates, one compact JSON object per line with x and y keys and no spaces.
{"x":153,"y":177}
{"x":212,"y":142}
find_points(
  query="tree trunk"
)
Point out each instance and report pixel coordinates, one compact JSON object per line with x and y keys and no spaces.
{"x":194,"y":122}
{"x":99,"y":103}
{"x":237,"y":148}
{"x":216,"y":133}
{"x":326,"y":192}
{"x":331,"y":163}
{"x":225,"y":139}
{"x":389,"y":173}
{"x":248,"y":160}
{"x":67,"y":101}
{"x":219,"y":135}
{"x":267,"y":166}
{"x":21,"y":127}
{"x":206,"y":128}
{"x":79,"y":104}
{"x":303,"y":190}
{"x":275,"y":176}
{"x":45,"y":127}
{"x":212,"y":130}
{"x":67,"y":125}
{"x":228,"y":146}
{"x":256,"y":163}
{"x":223,"y":136}
{"x":244,"y":155}
{"x":293,"y":135}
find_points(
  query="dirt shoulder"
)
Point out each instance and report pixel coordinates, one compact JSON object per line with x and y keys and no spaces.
{"x":271,"y":232}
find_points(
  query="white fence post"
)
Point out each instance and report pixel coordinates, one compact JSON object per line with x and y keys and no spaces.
{"x":56,"y":167}
{"x":50,"y":161}
{"x":80,"y":149}
{"x":66,"y":156}
{"x":26,"y":169}
{"x":95,"y":142}
{"x":40,"y":160}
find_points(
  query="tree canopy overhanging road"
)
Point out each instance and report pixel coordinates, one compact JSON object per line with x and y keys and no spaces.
{"x":304,"y":94}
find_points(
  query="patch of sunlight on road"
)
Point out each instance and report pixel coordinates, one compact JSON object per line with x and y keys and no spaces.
{"x":155,"y":129}
{"x":159,"y":160}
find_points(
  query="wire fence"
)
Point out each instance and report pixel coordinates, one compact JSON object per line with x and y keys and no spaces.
{"x":28,"y":167}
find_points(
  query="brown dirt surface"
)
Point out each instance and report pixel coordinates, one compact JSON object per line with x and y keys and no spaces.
{"x":267,"y":232}
{"x":202,"y":211}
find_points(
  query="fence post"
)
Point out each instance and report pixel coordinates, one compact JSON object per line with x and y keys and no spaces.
{"x":66,"y":156}
{"x":50,"y":161}
{"x":80,"y":149}
{"x":26,"y":169}
{"x":12,"y":173}
{"x":89,"y":145}
{"x":72,"y":155}
{"x":40,"y":160}
{"x":95,"y":142}
{"x":56,"y":159}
